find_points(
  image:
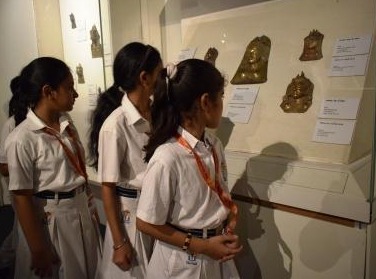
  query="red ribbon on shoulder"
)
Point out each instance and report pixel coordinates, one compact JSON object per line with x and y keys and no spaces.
{"x":214,"y":185}
{"x":75,"y":158}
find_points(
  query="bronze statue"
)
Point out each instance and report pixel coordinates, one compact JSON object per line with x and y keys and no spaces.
{"x":298,"y":96}
{"x":312,"y":46}
{"x":96,"y":47}
{"x":80,"y":73}
{"x":73,"y":21}
{"x":254,"y":65}
{"x":211,"y":55}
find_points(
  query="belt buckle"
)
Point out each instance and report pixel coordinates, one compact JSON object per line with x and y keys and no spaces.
{"x":204,"y":233}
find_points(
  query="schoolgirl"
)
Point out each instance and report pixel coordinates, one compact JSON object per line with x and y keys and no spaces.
{"x":185,"y":202}
{"x":47,"y":177}
{"x":17,"y":111}
{"x":120,"y":127}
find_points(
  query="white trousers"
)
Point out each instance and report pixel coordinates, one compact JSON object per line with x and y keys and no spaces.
{"x":70,"y":229}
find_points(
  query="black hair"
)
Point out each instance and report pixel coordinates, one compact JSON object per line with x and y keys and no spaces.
{"x":27,"y":87}
{"x":177,"y":95}
{"x":129,"y":62}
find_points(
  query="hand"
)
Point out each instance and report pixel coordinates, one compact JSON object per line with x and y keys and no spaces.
{"x":42,"y":262}
{"x":222,"y":247}
{"x":122,"y":257}
{"x":233,"y":245}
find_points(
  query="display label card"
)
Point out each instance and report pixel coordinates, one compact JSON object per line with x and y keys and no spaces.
{"x":81,"y":31}
{"x":334,"y":131}
{"x":186,"y":53}
{"x":238,"y":113}
{"x":352,"y":46}
{"x":339,"y":108}
{"x":354,"y":65}
{"x":107,"y":59}
{"x":244,"y":94}
{"x":93,"y":94}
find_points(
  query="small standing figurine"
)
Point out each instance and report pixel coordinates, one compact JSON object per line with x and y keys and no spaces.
{"x":73,"y":21}
{"x":254,"y":65}
{"x":312,"y":46}
{"x":96,"y":47}
{"x":211,"y":55}
{"x":298,"y":96}
{"x":80,"y":73}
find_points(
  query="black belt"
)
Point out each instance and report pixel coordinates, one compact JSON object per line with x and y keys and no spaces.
{"x":201,"y":233}
{"x":127,"y":192}
{"x":60,"y":195}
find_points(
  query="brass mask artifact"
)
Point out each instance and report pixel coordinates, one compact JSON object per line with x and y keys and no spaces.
{"x":96,"y":47}
{"x":211,"y":55}
{"x":254,"y":65}
{"x":298,"y":96}
{"x":312,"y":46}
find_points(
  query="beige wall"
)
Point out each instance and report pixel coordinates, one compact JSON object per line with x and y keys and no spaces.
{"x":18,"y":44}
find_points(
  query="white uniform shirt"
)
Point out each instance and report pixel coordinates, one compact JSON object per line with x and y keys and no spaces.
{"x":5,"y":131}
{"x":36,"y":160}
{"x":174,"y":190}
{"x":121,"y":140}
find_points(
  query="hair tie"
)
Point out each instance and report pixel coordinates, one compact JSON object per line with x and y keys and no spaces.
{"x":171,"y":70}
{"x":121,"y":89}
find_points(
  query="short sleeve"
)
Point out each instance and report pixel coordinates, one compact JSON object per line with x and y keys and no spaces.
{"x":20,"y":163}
{"x":157,"y":193}
{"x":5,"y":131}
{"x":111,"y":150}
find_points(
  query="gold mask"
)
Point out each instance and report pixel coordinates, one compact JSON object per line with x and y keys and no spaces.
{"x":298,"y":96}
{"x":254,"y":65}
{"x":312,"y":46}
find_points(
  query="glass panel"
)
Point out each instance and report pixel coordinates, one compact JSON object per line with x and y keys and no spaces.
{"x":311,"y":151}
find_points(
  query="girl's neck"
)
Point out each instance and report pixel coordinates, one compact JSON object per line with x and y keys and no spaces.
{"x":194,"y":128}
{"x":141,"y":102}
{"x":50,"y":118}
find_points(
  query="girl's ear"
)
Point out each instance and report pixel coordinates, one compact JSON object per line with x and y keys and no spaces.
{"x":47,"y":91}
{"x":144,"y":78}
{"x":205,"y":102}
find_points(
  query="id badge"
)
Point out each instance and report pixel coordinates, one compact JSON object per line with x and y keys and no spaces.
{"x":192,"y":259}
{"x":125,"y":217}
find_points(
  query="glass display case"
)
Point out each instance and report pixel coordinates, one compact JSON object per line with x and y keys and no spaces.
{"x":319,"y":159}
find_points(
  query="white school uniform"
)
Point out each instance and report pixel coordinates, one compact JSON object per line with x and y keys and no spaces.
{"x":121,"y":140}
{"x":37,"y":161}
{"x":5,"y":131}
{"x":174,"y":192}
{"x":8,"y":247}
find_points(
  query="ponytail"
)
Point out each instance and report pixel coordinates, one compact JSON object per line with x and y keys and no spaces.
{"x":18,"y":104}
{"x":177,"y":90}
{"x":106,"y":104}
{"x":165,"y":118}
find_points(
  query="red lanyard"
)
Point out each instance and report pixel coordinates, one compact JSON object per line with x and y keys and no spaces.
{"x":214,"y":185}
{"x":75,"y":159}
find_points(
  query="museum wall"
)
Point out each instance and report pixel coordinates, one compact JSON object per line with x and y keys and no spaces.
{"x":18,"y":44}
{"x":48,"y":28}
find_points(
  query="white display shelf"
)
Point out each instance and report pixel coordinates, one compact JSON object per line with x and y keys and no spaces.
{"x":332,"y":189}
